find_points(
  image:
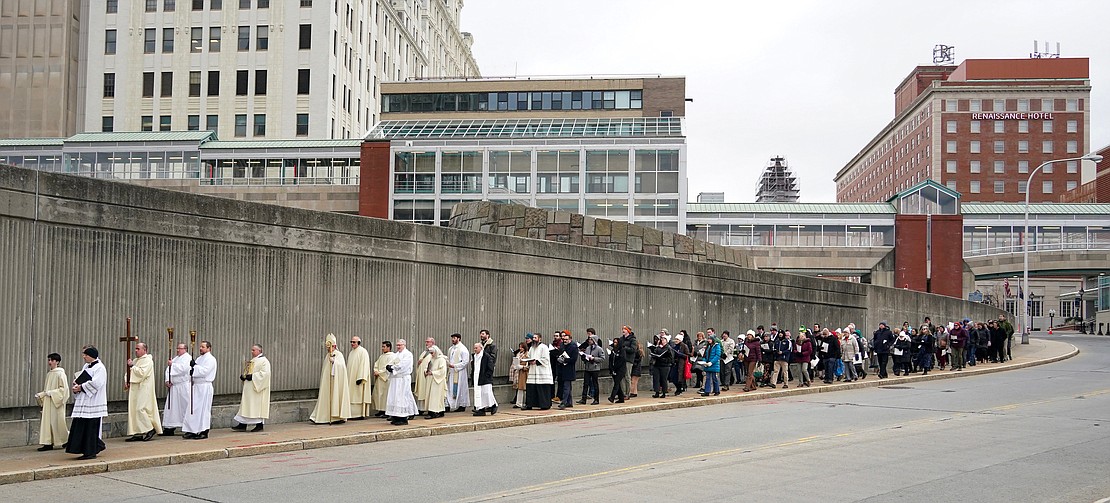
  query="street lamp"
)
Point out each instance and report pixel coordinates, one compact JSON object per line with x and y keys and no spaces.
{"x":1025,"y":241}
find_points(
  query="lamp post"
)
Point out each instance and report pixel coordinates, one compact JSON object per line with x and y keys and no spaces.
{"x":1025,"y":241}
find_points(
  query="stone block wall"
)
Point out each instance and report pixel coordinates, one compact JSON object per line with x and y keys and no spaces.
{"x":572,"y":228}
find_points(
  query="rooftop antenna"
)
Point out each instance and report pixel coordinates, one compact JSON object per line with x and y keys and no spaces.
{"x":1038,"y":54}
{"x":944,"y":54}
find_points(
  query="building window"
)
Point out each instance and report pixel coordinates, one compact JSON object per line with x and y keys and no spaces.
{"x":950,"y":166}
{"x":214,"y":39}
{"x":214,"y":83}
{"x":1046,"y":187}
{"x":111,"y":6}
{"x":152,"y":5}
{"x":1048,"y":105}
{"x":557,"y":172}
{"x":976,"y":105}
{"x":260,"y":82}
{"x":109,"y":85}
{"x":216,"y":4}
{"x":262,"y":38}
{"x":167,"y":84}
{"x":974,"y":148}
{"x":1023,"y":166}
{"x":1022,"y":186}
{"x":999,"y":187}
{"x":303,"y":79}
{"x":260,"y":124}
{"x":607,"y":171}
{"x":1073,"y":126}
{"x":148,"y":84}
{"x":999,"y":127}
{"x":950,"y":106}
{"x":656,"y":172}
{"x":1072,"y":185}
{"x":305,"y":37}
{"x":1073,"y":167}
{"x":194,"y":84}
{"x":1023,"y":146}
{"x":1073,"y":147}
{"x":244,"y":4}
{"x":109,"y":41}
{"x":147,"y":123}
{"x":244,"y":38}
{"x":974,"y":167}
{"x":196,"y":39}
{"x":950,"y":184}
{"x":999,"y":147}
{"x":193,"y":123}
{"x":167,"y":40}
{"x":150,"y":40}
{"x":974,"y":127}
{"x":974,"y":187}
{"x":164,"y":123}
{"x":951,"y":125}
{"x":1047,"y":169}
{"x":198,"y":4}
{"x":461,"y":172}
{"x":1023,"y":126}
{"x":999,"y":167}
{"x":1072,"y":105}
{"x":306,"y":3}
{"x":1046,"y":146}
{"x":263,"y":4}
{"x":169,"y":5}
{"x":510,"y":172}
{"x":999,"y":105}
{"x":211,"y":122}
{"x":241,"y":77}
{"x":1023,"y":105}
{"x":240,"y":125}
{"x":950,"y":146}
{"x":107,"y":124}
{"x":302,"y":124}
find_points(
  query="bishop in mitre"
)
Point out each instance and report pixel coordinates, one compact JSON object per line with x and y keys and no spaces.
{"x":333,"y":405}
{"x":53,"y":397}
{"x":142,"y":403}
{"x":360,"y":378}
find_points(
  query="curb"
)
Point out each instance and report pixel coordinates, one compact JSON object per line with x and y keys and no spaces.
{"x":447,"y":429}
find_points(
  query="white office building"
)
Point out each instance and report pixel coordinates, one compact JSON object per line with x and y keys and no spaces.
{"x":257,"y":69}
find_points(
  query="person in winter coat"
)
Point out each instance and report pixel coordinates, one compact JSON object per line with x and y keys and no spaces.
{"x":753,"y":354}
{"x":926,"y":343}
{"x":831,"y":348}
{"x":661,"y":358}
{"x":592,"y":355}
{"x":881,"y":342}
{"x":768,"y":353}
{"x":957,"y":340}
{"x":903,"y":353}
{"x":617,"y":367}
{"x":712,"y":367}
{"x":681,"y":357}
{"x":781,"y":347}
{"x":848,"y":350}
{"x":980,"y":338}
{"x":728,"y":355}
{"x":942,"y":347}
{"x":997,"y":351}
{"x":801,"y":354}
{"x":697,"y":356}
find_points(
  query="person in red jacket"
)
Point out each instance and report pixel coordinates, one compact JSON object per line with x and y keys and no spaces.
{"x":800,"y":358}
{"x":957,"y":338}
{"x":753,"y":355}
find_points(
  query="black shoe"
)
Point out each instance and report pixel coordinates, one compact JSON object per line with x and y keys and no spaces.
{"x":257,"y":428}
{"x":632,"y":395}
{"x":360,"y":418}
{"x":87,"y":456}
{"x":619,"y":400}
{"x":399,"y":422}
{"x":525,"y":408}
{"x":167,"y":432}
{"x":460,"y":409}
{"x":149,"y":435}
{"x":493,"y":410}
{"x":134,"y":438}
{"x":239,"y":427}
{"x":341,"y":421}
{"x":379,"y":414}
{"x":430,"y":415}
{"x":562,"y":406}
{"x":655,"y":395}
{"x":664,"y":395}
{"x":45,"y":448}
{"x":595,"y":402}
{"x":201,"y":436}
{"x":611,"y":400}
{"x":189,"y":436}
{"x":581,"y":402}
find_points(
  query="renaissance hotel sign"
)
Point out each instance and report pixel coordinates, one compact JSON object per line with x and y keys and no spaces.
{"x":1017,"y":116}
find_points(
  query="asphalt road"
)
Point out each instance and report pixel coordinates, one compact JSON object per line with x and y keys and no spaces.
{"x":1038,"y":434}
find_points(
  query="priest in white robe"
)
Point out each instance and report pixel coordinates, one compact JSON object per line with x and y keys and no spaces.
{"x":360,"y":379}
{"x":458,"y":358}
{"x":485,"y":359}
{"x":400,"y":404}
{"x":420,"y":375}
{"x":198,"y":419}
{"x":437,"y":383}
{"x":381,"y":378}
{"x":177,"y":398}
{"x":90,"y":405}
{"x":142,"y":402}
{"x":333,"y":404}
{"x":254,"y":407}
{"x":53,"y":431}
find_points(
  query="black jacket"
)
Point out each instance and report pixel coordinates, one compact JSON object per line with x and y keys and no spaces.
{"x":489,"y":359}
{"x":882,"y":340}
{"x":661,"y":356}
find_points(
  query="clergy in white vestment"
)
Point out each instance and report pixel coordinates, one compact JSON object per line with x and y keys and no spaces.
{"x":255,"y":405}
{"x":198,"y":419}
{"x":381,"y":378}
{"x":485,"y":359}
{"x":437,"y":383}
{"x":400,"y":404}
{"x":90,"y":405}
{"x":53,"y":397}
{"x":333,"y":404}
{"x":142,"y":402}
{"x":177,"y":398}
{"x":360,"y":379}
{"x":420,"y":374}
{"x":458,"y":358}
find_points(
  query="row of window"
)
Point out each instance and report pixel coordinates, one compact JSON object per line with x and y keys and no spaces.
{"x":975,"y":186}
{"x":1047,"y":147}
{"x":211,"y":123}
{"x":1012,"y":105}
{"x":112,"y":6}
{"x":242,"y":83}
{"x":197,"y":41}
{"x":540,"y":100}
{"x":1000,"y":167}
{"x":424,"y":210}
{"x":1022,"y":126}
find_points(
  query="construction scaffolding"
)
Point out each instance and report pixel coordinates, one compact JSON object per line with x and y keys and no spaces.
{"x":777,"y":184}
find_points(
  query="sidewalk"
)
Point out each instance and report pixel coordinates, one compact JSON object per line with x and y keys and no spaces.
{"x":24,"y":464}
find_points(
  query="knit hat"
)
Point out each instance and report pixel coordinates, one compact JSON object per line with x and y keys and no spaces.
{"x":528,"y":336}
{"x":92,"y":352}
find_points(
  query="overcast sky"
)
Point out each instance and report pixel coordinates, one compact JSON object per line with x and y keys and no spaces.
{"x":812,"y":81}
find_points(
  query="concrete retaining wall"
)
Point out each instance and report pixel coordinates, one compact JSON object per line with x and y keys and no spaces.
{"x":84,"y":254}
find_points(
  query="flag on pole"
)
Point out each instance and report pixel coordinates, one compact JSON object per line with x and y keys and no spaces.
{"x":1006,"y":286}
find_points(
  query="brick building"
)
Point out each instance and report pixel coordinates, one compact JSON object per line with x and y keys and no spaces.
{"x":978,"y":128}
